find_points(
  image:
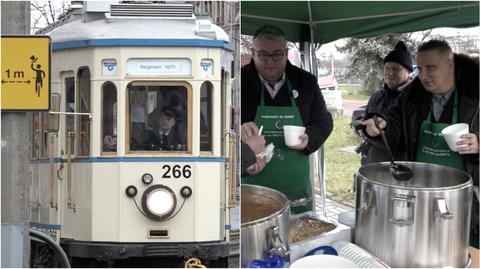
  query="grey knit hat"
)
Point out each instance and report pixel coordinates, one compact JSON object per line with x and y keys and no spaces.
{"x":400,"y":55}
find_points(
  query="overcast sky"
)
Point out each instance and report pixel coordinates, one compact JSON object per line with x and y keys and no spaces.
{"x":329,"y":48}
{"x":326,"y":49}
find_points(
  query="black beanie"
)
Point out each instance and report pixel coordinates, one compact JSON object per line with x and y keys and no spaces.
{"x":400,"y":55}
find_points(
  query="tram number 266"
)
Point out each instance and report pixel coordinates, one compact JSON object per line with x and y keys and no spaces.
{"x":176,"y":171}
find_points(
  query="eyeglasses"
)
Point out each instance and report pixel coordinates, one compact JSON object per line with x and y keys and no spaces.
{"x":276,"y":56}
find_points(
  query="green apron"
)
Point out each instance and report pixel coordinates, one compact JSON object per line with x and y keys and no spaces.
{"x":289,"y":169}
{"x":432,"y":147}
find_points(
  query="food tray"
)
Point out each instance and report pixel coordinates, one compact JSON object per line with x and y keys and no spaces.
{"x":300,"y":248}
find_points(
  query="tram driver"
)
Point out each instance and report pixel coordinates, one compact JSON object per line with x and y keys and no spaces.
{"x":167,"y":136}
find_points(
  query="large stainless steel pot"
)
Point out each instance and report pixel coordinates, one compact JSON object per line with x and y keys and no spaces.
{"x":421,"y":222}
{"x":265,"y":230}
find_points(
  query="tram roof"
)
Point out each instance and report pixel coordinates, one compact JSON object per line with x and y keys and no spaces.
{"x":104,"y":30}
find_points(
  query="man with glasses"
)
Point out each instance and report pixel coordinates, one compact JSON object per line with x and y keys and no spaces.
{"x":276,"y":93}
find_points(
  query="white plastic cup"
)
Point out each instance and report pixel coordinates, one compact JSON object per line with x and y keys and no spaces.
{"x":452,"y":134}
{"x":292,"y":133}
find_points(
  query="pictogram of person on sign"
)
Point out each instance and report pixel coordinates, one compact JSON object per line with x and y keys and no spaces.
{"x":39,"y":75}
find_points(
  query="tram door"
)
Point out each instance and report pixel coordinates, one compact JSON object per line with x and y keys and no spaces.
{"x":67,"y":150}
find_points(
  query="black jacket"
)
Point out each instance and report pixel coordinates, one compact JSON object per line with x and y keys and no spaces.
{"x":412,"y":107}
{"x":155,"y":141}
{"x":379,"y":103}
{"x":310,"y":102}
{"x":248,"y":157}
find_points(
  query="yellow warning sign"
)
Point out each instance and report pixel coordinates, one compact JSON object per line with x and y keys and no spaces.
{"x":25,"y":73}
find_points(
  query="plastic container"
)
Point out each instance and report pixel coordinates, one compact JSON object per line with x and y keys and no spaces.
{"x":323,"y":250}
{"x":358,"y":255}
{"x":300,"y":248}
{"x":272,"y":261}
{"x":348,"y":219}
{"x":323,"y":261}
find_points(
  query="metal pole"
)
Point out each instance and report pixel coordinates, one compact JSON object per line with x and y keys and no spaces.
{"x":14,"y":158}
{"x":321,"y":172}
{"x":320,"y":152}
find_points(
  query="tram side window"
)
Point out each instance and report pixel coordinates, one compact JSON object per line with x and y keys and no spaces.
{"x":158,"y":117}
{"x":40,"y":144}
{"x":109,"y":117}
{"x":70,"y":107}
{"x":84,"y":107}
{"x":206,"y":116}
{"x":44,"y":152}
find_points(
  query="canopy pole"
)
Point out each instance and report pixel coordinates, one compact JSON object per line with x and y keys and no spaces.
{"x":312,"y":41}
{"x":320,"y":151}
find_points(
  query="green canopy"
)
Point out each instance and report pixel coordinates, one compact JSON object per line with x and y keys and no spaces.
{"x":332,"y":20}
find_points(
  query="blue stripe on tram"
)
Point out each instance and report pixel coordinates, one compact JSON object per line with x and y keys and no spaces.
{"x":136,"y":159}
{"x":136,"y":42}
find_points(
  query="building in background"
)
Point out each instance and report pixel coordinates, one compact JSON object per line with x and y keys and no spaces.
{"x":226,"y":14}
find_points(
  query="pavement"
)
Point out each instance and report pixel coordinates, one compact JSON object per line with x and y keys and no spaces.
{"x":333,"y":208}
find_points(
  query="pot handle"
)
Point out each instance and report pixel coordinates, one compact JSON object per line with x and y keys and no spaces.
{"x":276,"y":245}
{"x":368,"y":200}
{"x":402,"y":210}
{"x":442,"y":209}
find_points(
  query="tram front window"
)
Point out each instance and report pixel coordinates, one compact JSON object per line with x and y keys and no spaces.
{"x":158,"y":117}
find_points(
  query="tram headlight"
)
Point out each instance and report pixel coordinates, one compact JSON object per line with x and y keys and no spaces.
{"x":147,"y":178}
{"x":159,"y":202}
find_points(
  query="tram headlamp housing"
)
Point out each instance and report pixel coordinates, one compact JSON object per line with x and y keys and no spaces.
{"x":147,"y":178}
{"x":131,"y":191}
{"x":159,"y":202}
{"x":186,"y":192}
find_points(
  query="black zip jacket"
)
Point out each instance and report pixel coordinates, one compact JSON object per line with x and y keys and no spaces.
{"x":379,"y":103}
{"x":248,"y":157}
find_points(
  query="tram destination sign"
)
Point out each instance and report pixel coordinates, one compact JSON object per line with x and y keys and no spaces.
{"x":25,"y":73}
{"x":159,"y":66}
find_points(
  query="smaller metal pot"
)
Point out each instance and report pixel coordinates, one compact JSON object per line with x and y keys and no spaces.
{"x":265,"y":229}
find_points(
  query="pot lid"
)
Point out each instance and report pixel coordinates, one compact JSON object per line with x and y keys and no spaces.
{"x":425,"y":175}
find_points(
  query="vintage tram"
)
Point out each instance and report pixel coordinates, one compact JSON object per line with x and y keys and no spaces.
{"x":134,"y":164}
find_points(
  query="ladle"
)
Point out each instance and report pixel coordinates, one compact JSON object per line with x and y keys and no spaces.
{"x":398,"y":171}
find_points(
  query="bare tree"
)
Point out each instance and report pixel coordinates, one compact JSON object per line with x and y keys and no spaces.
{"x":246,"y":43}
{"x":366,"y":57}
{"x":45,"y":12}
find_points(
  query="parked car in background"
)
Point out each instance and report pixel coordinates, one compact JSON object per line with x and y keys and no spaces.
{"x":415,"y":72}
{"x":330,"y":90}
{"x":326,"y":81}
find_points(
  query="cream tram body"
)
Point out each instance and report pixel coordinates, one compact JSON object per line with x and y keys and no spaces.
{"x":99,"y":68}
